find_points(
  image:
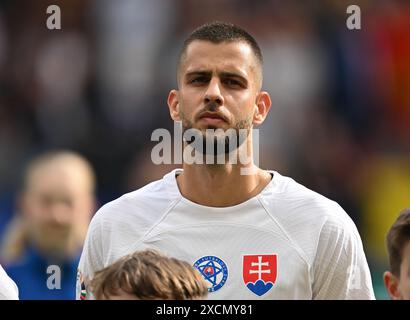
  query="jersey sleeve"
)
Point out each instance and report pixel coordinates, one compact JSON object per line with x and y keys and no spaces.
{"x":340,"y":270}
{"x":91,"y":259}
{"x":8,"y":288}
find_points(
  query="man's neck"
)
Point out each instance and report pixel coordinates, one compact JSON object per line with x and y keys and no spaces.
{"x":220,"y":185}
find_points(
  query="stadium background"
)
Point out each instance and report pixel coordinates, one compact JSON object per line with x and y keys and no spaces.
{"x":341,"y":98}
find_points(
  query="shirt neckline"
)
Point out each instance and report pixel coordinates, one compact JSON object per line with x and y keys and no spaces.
{"x":171,"y":177}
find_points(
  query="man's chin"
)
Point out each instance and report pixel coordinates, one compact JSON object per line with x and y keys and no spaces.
{"x":55,"y":237}
{"x":212,"y":140}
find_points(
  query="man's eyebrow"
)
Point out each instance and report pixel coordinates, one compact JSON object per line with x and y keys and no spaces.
{"x":198,"y":73}
{"x":233,"y":75}
{"x":225,"y":74}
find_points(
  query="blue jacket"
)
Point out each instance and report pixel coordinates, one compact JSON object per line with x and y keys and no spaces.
{"x":36,"y":280}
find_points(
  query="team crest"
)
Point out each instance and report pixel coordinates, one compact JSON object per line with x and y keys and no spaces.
{"x":214,"y":271}
{"x":260,"y":272}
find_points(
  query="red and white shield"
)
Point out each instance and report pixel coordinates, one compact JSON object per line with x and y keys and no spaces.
{"x":260,"y":272}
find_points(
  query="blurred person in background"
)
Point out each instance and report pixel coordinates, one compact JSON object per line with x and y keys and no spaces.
{"x":55,"y":208}
{"x":149,"y":275}
{"x":397,"y":279}
{"x":8,"y":288}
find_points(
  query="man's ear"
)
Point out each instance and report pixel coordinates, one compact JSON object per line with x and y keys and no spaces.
{"x":262,"y":107}
{"x":392,"y":285}
{"x":173,"y":104}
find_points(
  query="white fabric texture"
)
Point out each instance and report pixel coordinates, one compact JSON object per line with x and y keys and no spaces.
{"x":8,"y":288}
{"x":318,"y":248}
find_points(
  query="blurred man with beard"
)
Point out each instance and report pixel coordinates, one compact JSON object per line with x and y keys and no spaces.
{"x":44,"y":241}
{"x":251,"y":233}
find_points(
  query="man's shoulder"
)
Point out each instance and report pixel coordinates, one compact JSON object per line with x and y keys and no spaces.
{"x":295,"y":201}
{"x":307,"y":217}
{"x":147,"y":202}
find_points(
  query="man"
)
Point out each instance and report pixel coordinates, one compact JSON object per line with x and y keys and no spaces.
{"x":149,"y":275}
{"x":8,"y":289}
{"x":397,"y":280}
{"x":253,"y":234}
{"x":44,"y":241}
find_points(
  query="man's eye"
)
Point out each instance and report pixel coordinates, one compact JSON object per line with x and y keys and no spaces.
{"x":233,"y":83}
{"x":199,"y":80}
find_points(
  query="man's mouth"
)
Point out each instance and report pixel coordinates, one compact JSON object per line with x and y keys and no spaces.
{"x":212,"y":118}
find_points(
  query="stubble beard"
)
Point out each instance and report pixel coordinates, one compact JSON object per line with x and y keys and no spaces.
{"x":223,"y":141}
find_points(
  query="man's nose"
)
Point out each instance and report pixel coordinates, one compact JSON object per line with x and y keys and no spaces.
{"x":213,"y":92}
{"x":59,"y":213}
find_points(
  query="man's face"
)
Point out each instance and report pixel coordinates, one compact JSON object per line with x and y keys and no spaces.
{"x":219,"y":86}
{"x":57,"y":205}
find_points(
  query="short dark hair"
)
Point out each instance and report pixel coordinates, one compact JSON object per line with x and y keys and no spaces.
{"x":397,"y":238}
{"x":218,"y":32}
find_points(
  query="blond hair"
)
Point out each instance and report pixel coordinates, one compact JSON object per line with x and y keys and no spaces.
{"x":149,"y":275}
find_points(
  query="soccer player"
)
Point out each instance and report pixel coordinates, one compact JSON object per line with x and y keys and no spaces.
{"x":252,"y":233}
{"x":397,"y":280}
{"x":8,"y":289}
{"x":55,"y":207}
{"x":149,"y":275}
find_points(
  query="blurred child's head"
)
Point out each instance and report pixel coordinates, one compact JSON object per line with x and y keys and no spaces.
{"x":149,"y":275}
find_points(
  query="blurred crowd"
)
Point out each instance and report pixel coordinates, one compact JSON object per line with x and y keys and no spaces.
{"x":341,"y":98}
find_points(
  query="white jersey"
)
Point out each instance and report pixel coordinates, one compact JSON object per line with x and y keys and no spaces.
{"x":287,"y":242}
{"x":8,"y":289}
